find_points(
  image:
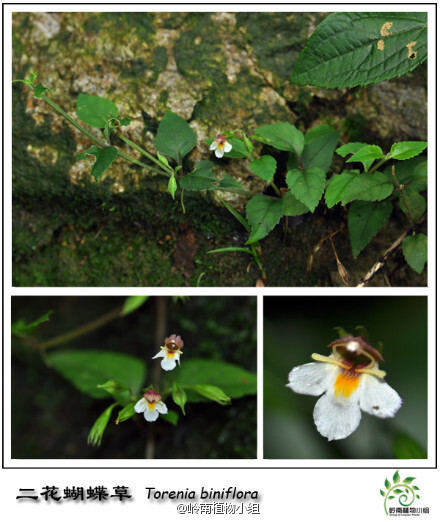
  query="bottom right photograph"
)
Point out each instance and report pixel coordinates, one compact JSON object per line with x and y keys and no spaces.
{"x":345,"y":377}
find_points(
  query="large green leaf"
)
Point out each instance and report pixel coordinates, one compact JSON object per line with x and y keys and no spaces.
{"x":366,"y":155}
{"x":338,"y":186}
{"x":351,"y":49}
{"x":307,"y":186}
{"x":365,"y":219}
{"x":410,"y":201}
{"x":263,"y":213}
{"x":319,"y":146}
{"x":233,"y":380}
{"x":103,"y":159}
{"x":203,"y":178}
{"x":175,"y":138}
{"x":282,"y":136}
{"x":94,"y":110}
{"x":86,"y":369}
{"x":415,"y":250}
{"x":406,"y":149}
{"x":264,"y":167}
{"x":292,"y":206}
{"x":132,"y":303}
{"x":368,"y":187}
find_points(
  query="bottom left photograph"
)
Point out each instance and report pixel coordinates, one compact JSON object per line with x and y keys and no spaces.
{"x":140,"y":377}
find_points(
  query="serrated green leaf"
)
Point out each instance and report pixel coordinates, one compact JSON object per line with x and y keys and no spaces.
{"x":410,"y":201}
{"x":263,"y":213}
{"x":232,"y":379}
{"x":132,"y":303}
{"x":396,"y":479}
{"x":351,"y":49}
{"x":175,"y":138}
{"x":415,"y":250}
{"x":264,"y":167}
{"x":337,"y":187}
{"x":365,"y":219}
{"x":104,"y":159}
{"x":366,"y":155}
{"x":368,"y":187}
{"x":239,"y":149}
{"x":292,"y":206}
{"x":282,"y":136}
{"x":307,"y":186}
{"x":406,"y":149}
{"x":20,"y":327}
{"x":350,"y":148}
{"x":320,"y":144}
{"x":126,"y":413}
{"x":203,"y":178}
{"x":179,"y":396}
{"x":95,"y":110}
{"x":86,"y":369}
{"x":98,"y":428}
{"x":40,"y":89}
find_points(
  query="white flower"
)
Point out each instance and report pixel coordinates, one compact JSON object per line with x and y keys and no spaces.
{"x":220,"y":145}
{"x":171,"y":352}
{"x":351,"y":381}
{"x":151,"y":405}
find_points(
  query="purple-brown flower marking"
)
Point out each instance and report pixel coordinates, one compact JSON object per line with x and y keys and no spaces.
{"x":171,"y":352}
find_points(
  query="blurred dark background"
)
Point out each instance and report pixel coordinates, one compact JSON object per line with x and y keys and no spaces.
{"x":295,"y":327}
{"x":52,"y":419}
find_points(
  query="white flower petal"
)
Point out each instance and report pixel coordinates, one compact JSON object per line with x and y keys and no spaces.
{"x":213,"y":145}
{"x":219,"y":152}
{"x":378,"y":398}
{"x":312,"y":378}
{"x":168,"y":363}
{"x":227,"y":147}
{"x":151,"y":415}
{"x":161,"y":408}
{"x":337,"y":418}
{"x":162,"y":353}
{"x":140,"y":406}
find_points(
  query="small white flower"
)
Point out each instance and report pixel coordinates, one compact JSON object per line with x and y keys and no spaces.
{"x":171,"y":352}
{"x":151,"y":405}
{"x":349,"y":381}
{"x":220,"y":145}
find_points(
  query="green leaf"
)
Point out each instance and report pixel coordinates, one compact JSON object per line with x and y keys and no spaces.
{"x":410,"y":201}
{"x":396,"y":479}
{"x":179,"y":396}
{"x":97,"y":431}
{"x":387,"y":484}
{"x":126,"y":413}
{"x":230,"y":249}
{"x":391,"y":497}
{"x":366,"y":155}
{"x":132,"y":303}
{"x":93,"y":150}
{"x":408,"y":480}
{"x":264,"y":167}
{"x":20,"y":327}
{"x":415,"y":250}
{"x":40,"y":89}
{"x":292,"y":206}
{"x":350,"y":148}
{"x":406,"y":149}
{"x":237,"y":216}
{"x":124,"y":122}
{"x":351,"y":49}
{"x":282,"y":136}
{"x":94,"y":110}
{"x":263,"y":213}
{"x":233,"y":380}
{"x":405,"y":447}
{"x":172,"y":186}
{"x":382,"y":492}
{"x":203,"y":178}
{"x":86,"y":369}
{"x":307,"y":186}
{"x":338,"y":186}
{"x":320,"y":143}
{"x":368,"y":187}
{"x":175,"y":138}
{"x":397,"y":490}
{"x":413,"y":171}
{"x":239,"y":149}
{"x":116,"y":389}
{"x":104,"y":159}
{"x":213,"y":393}
{"x":365,"y":219}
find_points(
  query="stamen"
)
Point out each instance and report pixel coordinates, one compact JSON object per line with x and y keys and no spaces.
{"x":323,"y":358}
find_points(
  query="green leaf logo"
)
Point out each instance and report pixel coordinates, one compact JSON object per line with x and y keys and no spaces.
{"x":400,"y":490}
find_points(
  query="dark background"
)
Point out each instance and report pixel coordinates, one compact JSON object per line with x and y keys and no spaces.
{"x":52,"y":419}
{"x":295,"y":327}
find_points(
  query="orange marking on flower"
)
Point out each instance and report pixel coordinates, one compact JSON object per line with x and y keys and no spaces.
{"x":346,"y":383}
{"x":151,"y":405}
{"x":170,"y":355}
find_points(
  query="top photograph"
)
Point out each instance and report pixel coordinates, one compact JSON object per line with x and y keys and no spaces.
{"x":219,"y":149}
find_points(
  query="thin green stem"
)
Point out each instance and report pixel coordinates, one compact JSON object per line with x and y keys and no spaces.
{"x":378,"y":164}
{"x":236,"y":190}
{"x":146,"y":154}
{"x":276,"y":189}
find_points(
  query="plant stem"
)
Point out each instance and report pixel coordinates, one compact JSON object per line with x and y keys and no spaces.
{"x":378,"y":164}
{"x":169,"y":170}
{"x":82,"y":330}
{"x":236,"y":190}
{"x":276,"y":189}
